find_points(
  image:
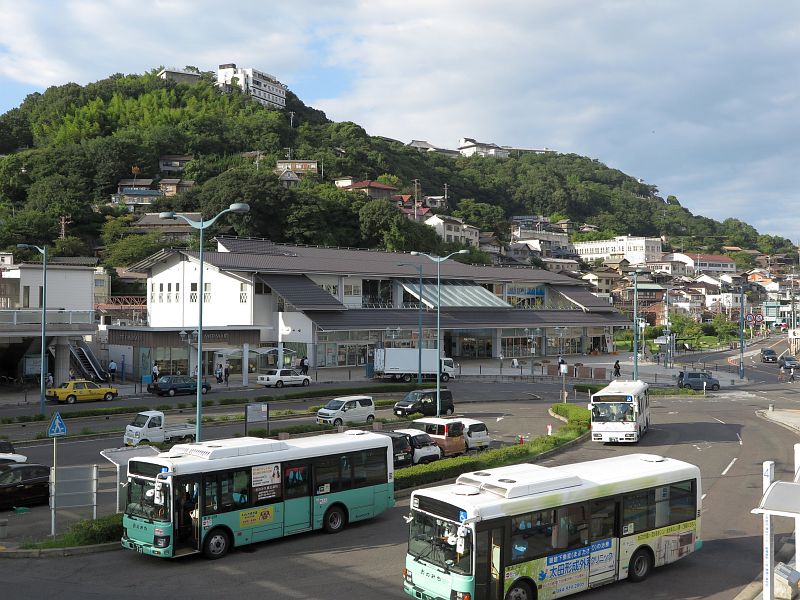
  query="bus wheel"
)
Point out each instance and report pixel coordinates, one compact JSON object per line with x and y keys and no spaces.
{"x":640,"y":566}
{"x":520,"y":591}
{"x":334,"y":520}
{"x":216,"y":544}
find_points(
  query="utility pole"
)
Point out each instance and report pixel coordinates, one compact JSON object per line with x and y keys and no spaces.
{"x":64,"y":221}
{"x":291,"y":119}
{"x":416,"y":197}
{"x":445,"y":194}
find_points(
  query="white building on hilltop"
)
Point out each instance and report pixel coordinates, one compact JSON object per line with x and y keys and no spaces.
{"x":262,"y":87}
{"x":636,"y":250}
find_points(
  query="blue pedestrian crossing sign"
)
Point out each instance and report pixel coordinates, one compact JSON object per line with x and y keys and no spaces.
{"x":57,"y":427}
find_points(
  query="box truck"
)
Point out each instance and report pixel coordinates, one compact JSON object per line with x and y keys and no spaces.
{"x":403,"y":363}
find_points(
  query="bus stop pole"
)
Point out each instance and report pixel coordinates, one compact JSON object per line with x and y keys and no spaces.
{"x":53,"y":491}
{"x":767,"y":475}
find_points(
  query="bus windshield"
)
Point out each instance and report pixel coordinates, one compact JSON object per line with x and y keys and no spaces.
{"x":142,"y":497}
{"x":435,"y":541}
{"x":612,"y":412}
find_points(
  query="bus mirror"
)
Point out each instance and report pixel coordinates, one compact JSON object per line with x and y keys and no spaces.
{"x":460,"y":541}
{"x":589,"y":406}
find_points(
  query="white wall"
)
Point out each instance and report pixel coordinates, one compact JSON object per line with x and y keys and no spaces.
{"x":70,"y":288}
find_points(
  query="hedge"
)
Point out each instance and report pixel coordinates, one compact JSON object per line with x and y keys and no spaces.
{"x":84,"y":533}
{"x":591,"y":388}
{"x":449,"y":468}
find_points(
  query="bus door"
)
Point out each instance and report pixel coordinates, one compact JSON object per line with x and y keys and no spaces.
{"x":488,"y":564}
{"x":297,"y":507}
{"x":185,"y":514}
{"x":604,"y":541}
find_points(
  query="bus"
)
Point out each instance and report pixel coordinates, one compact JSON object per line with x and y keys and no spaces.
{"x":214,"y":495}
{"x":620,"y":412}
{"x":526,"y":532}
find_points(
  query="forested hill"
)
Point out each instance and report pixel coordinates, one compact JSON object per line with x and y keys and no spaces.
{"x":66,"y":149}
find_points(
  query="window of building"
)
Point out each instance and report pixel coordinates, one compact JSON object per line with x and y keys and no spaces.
{"x":352,"y":289}
{"x":192,"y":292}
{"x":243,"y":293}
{"x":206,"y":292}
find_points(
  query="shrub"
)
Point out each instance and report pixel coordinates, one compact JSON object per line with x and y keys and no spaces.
{"x":86,"y":532}
{"x":230,"y":401}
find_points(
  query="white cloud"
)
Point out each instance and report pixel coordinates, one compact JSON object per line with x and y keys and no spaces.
{"x":698,"y":99}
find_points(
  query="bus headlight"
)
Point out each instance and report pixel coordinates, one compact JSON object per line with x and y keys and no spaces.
{"x":161,"y":541}
{"x":407,"y":576}
{"x":454,"y":595}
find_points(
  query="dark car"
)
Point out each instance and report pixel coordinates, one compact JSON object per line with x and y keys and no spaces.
{"x":789,"y":362}
{"x":424,"y":401}
{"x":401,"y":446}
{"x":6,"y":447}
{"x":697,"y":380}
{"x":170,"y":385}
{"x":23,"y":484}
{"x":768,"y":355}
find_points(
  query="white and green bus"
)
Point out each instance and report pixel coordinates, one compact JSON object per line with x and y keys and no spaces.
{"x":211,"y":496}
{"x":528,"y":532}
{"x":620,"y":412}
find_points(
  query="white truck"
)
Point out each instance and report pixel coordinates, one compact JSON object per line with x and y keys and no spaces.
{"x":403,"y":363}
{"x":149,"y":426}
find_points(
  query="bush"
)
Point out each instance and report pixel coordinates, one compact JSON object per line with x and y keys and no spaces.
{"x":380,"y":388}
{"x":231,"y":401}
{"x":86,"y":532}
{"x":99,"y":412}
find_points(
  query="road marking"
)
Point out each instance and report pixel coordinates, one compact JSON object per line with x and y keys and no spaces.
{"x":703,"y":497}
{"x":719,"y":420}
{"x":740,"y":439}
{"x":728,"y":468}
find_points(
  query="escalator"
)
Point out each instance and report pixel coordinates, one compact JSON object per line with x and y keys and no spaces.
{"x":83,"y":361}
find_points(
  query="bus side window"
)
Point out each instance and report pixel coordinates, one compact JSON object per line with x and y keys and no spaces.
{"x":602,"y":519}
{"x":295,"y":481}
{"x":210,"y":495}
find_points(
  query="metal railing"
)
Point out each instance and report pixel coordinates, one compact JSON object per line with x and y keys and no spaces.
{"x":53,"y":317}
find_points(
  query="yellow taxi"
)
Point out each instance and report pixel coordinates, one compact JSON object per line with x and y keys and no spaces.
{"x":80,"y":390}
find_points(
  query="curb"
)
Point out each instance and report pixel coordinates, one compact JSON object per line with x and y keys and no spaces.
{"x":52,"y":552}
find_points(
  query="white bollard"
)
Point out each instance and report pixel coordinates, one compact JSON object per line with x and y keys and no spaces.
{"x":549,"y":429}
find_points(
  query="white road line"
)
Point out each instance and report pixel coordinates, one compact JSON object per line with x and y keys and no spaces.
{"x":703,"y":497}
{"x":740,"y":439}
{"x":719,"y":420}
{"x":728,"y":468}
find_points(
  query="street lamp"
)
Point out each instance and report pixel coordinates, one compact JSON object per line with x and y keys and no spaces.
{"x":187,"y":336}
{"x":532,"y":334}
{"x":741,"y":332}
{"x":438,"y":260}
{"x":419,"y":320}
{"x":562,"y":364}
{"x":42,"y":366}
{"x":238,"y":208}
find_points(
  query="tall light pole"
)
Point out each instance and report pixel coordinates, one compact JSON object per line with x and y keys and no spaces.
{"x":741,"y":332}
{"x":419,"y":320}
{"x":43,"y":363}
{"x":236,"y":207}
{"x":438,"y":260}
{"x":635,"y":325}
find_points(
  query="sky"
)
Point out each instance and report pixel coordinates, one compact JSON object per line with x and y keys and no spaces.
{"x":701,"y":99}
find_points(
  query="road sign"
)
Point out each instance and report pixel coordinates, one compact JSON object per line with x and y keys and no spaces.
{"x":57,"y":427}
{"x":749,"y":317}
{"x":759,"y":318}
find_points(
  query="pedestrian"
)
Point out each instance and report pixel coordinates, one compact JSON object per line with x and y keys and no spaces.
{"x":616,"y":369}
{"x":304,"y":365}
{"x":49,"y":380}
{"x":112,"y":370}
{"x":782,"y":374}
{"x":226,"y":373}
{"x":791,"y":375}
{"x":71,"y":375}
{"x":218,"y":373}
{"x":155,"y":371}
{"x":194,"y":371}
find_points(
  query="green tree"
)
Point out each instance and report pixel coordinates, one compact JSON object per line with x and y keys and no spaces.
{"x":134,"y":248}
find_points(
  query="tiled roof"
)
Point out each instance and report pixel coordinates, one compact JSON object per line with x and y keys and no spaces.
{"x":368,"y":183}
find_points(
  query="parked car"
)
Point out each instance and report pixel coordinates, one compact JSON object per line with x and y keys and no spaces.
{"x":80,"y":390}
{"x":789,"y":362}
{"x":697,"y":380}
{"x":447,"y":433}
{"x":282,"y":377}
{"x":347,"y":409}
{"x":423,"y":448}
{"x":23,"y":484}
{"x":768,"y":355}
{"x":401,"y":444}
{"x":171,"y":385}
{"x":6,"y":447}
{"x":424,"y":401}
{"x":476,"y":434}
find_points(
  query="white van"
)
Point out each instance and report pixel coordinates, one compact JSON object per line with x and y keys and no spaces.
{"x":347,"y":409}
{"x":476,"y":434}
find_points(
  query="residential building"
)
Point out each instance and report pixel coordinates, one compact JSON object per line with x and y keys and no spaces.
{"x":437,"y":202}
{"x":289,"y":179}
{"x":602,"y":281}
{"x":179,"y":75}
{"x":176,"y":230}
{"x":550,"y":242}
{"x":262,"y":87}
{"x":337,"y":305}
{"x":453,"y":229}
{"x":373,"y":189}
{"x":697,"y":263}
{"x":471,"y":147}
{"x":521,"y":224}
{"x":135,"y":194}
{"x":173,"y":163}
{"x":636,"y":250}
{"x":423,"y":146}
{"x":172,"y":186}
{"x":556,"y":265}
{"x":299,"y":167}
{"x":343,"y":182}
{"x":489,"y":242}
{"x":126,"y":185}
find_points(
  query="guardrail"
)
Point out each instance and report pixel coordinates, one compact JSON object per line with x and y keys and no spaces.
{"x":52,"y":317}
